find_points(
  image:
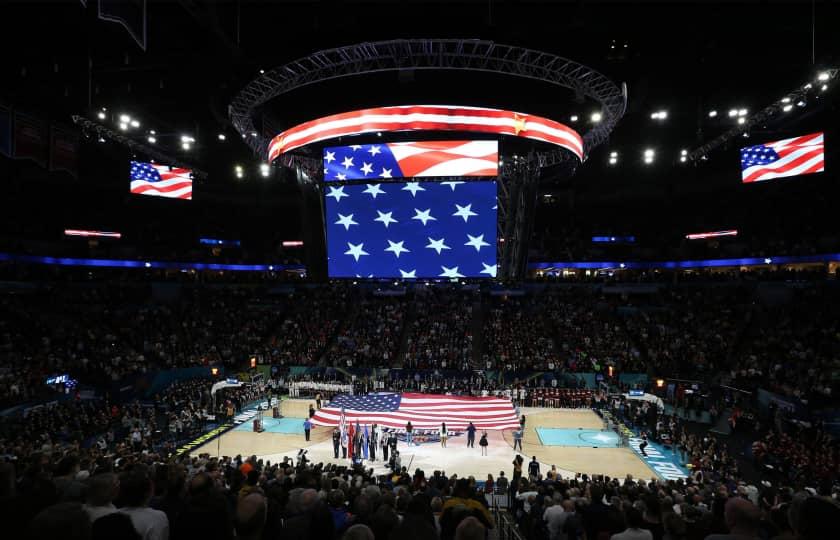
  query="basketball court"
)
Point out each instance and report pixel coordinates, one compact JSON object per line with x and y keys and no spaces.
{"x":571,"y":439}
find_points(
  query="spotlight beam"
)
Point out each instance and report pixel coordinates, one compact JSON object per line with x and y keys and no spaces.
{"x":106,"y":133}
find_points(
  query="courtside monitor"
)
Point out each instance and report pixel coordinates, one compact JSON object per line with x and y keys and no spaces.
{"x":412,"y":230}
{"x":157,"y":180}
{"x":788,"y":157}
{"x":411,"y":160}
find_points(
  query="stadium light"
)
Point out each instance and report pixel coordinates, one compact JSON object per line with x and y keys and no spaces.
{"x":135,"y":124}
{"x":613,"y":154}
{"x":733,"y":113}
{"x":185,"y":145}
{"x":742,"y":112}
{"x":151,"y":139}
{"x":808,"y":86}
{"x":659,"y":115}
{"x":683,"y":159}
{"x":800,"y":103}
{"x":123,"y":126}
{"x":741,"y":119}
{"x":265,"y":170}
{"x":824,"y":87}
{"x":712,"y":113}
{"x":222,"y":136}
{"x":596,"y":117}
{"x":787,"y":107}
{"x":101,"y":115}
{"x":823,"y":76}
{"x":262,"y":72}
{"x":574,"y":118}
{"x":649,"y":154}
{"x":786,"y":99}
{"x":124,"y":118}
{"x":239,"y":171}
{"x":152,"y":132}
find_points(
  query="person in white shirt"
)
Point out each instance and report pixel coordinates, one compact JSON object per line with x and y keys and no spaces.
{"x":136,"y":490}
{"x":102,"y":490}
{"x":634,"y":530}
{"x":555,"y":517}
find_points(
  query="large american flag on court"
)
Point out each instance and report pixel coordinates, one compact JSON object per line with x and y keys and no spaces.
{"x":788,"y":157}
{"x":425,"y":411}
{"x":411,"y":159}
{"x":161,"y":180}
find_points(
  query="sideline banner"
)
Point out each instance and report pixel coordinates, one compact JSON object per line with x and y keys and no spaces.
{"x":664,"y":463}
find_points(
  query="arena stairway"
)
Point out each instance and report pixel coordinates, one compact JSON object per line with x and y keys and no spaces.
{"x":721,"y":427}
{"x":477,"y":329}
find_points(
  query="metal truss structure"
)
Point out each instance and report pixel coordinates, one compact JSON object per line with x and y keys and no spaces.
{"x":760,"y":117}
{"x":431,"y":54}
{"x":100,"y":130}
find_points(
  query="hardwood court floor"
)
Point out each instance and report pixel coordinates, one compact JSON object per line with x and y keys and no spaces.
{"x":457,"y":458}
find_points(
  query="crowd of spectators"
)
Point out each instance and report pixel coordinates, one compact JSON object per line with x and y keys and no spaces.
{"x":441,"y":334}
{"x":372,"y":334}
{"x":518,"y":335}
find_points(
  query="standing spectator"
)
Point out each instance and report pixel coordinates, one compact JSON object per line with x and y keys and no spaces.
{"x":307,"y":428}
{"x":483,"y":443}
{"x":136,"y":492}
{"x":534,"y":469}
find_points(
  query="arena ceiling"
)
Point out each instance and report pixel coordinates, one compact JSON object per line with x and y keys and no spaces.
{"x":684,"y":57}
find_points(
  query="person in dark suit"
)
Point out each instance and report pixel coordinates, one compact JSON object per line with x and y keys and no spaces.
{"x":385,"y":444}
{"x":471,"y":436}
{"x":336,"y":438}
{"x":374,"y":439}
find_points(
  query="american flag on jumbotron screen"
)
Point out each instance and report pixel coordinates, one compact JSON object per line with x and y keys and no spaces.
{"x":788,"y":157}
{"x":411,"y":159}
{"x":161,"y":180}
{"x":425,"y":411}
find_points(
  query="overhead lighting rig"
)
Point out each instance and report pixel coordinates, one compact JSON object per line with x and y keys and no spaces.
{"x":103,"y":133}
{"x":798,"y":96}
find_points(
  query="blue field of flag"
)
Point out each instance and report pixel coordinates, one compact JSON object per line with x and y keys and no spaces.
{"x":589,"y":438}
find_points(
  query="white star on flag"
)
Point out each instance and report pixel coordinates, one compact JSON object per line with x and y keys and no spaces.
{"x":450,"y":272}
{"x":424,"y":216}
{"x":385,"y":218}
{"x":337,"y":193}
{"x":413,"y":187}
{"x":475,"y":241}
{"x":397,"y":248}
{"x":411,"y":274}
{"x":374,"y":150}
{"x":490,"y":270}
{"x":366,"y":168}
{"x":346,"y":221}
{"x":330,"y":157}
{"x":348,"y":162}
{"x":341,"y":176}
{"x":355,"y":146}
{"x":356,"y":251}
{"x":437,"y":245}
{"x":451,"y":184}
{"x":464,"y":212}
{"x":373,"y":190}
{"x":386,"y":173}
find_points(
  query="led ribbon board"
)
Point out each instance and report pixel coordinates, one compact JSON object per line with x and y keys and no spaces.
{"x":428,"y":118}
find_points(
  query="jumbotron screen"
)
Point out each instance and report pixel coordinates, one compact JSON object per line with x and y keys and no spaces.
{"x":411,"y":160}
{"x":788,"y":157}
{"x":157,"y":180}
{"x":412,"y":230}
